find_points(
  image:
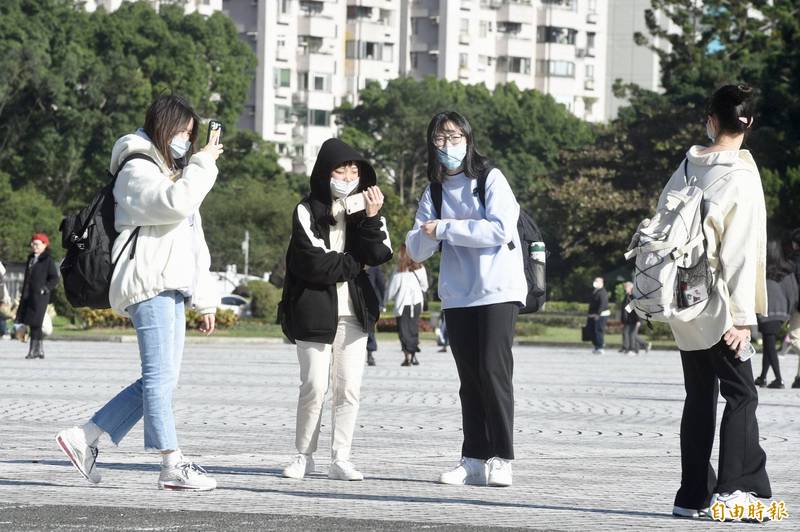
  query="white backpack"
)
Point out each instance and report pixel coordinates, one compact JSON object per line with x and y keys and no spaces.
{"x":672,"y":280}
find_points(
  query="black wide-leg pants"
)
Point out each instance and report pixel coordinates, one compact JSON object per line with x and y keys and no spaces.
{"x":481,"y":339}
{"x":741,"y":459}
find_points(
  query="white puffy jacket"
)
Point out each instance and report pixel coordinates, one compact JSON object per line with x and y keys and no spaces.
{"x":171,"y":251}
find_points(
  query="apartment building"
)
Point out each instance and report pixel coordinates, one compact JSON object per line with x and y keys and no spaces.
{"x":204,"y":7}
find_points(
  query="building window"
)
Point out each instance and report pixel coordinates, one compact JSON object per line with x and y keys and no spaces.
{"x":589,"y":72}
{"x":318,"y":117}
{"x":283,"y":114}
{"x":571,"y":5}
{"x":590,"y":40}
{"x":369,"y":50}
{"x":322,"y":83}
{"x":464,"y":26}
{"x":283,"y":6}
{"x":483,"y":28}
{"x":356,"y":12}
{"x":509,"y":27}
{"x":283,"y":77}
{"x":309,"y":44}
{"x":463,"y":61}
{"x":514,"y":65}
{"x":591,"y":6}
{"x":561,"y":69}
{"x":311,"y":7}
{"x":415,"y":26}
{"x":555,"y":34}
{"x":414,"y":59}
{"x":302,"y":81}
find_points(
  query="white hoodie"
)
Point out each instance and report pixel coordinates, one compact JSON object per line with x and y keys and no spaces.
{"x":171,"y":251}
{"x":735,"y":227}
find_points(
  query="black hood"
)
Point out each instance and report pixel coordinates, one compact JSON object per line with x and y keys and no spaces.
{"x":333,"y":154}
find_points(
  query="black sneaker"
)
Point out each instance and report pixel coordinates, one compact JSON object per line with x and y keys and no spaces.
{"x":414,"y":360}
{"x":370,"y":359}
{"x":777,"y":383}
{"x":760,"y":381}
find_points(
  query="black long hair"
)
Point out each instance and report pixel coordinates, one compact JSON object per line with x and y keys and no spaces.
{"x":732,"y":106}
{"x":474,"y":163}
{"x":777,"y":265}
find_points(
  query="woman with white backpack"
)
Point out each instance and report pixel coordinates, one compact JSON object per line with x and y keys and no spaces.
{"x":715,"y":344}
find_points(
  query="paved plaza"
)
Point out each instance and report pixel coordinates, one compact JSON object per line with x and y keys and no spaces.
{"x":596,"y":444}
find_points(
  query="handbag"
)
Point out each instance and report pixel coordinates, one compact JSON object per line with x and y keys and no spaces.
{"x":587,"y":331}
{"x":424,"y":294}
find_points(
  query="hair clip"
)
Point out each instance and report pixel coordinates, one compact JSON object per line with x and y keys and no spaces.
{"x":744,"y":120}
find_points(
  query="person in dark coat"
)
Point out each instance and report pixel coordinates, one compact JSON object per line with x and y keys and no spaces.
{"x":328,"y":305}
{"x":631,"y":343}
{"x":782,"y":295}
{"x":41,"y":278}
{"x":598,"y":314}
{"x":378,"y":282}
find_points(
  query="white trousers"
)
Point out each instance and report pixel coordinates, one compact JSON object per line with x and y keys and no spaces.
{"x":341,"y":366}
{"x":794,"y":335}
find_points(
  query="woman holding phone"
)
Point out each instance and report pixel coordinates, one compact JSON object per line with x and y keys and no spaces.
{"x":163,"y":265}
{"x":328,"y":303}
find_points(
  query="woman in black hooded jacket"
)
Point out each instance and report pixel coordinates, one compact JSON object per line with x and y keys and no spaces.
{"x":328,"y":304}
{"x":41,"y":278}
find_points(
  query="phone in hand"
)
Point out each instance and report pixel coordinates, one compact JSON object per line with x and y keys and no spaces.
{"x":746,"y":352}
{"x":214,"y":132}
{"x":355,"y":203}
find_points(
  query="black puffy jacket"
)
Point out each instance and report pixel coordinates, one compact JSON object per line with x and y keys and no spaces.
{"x":309,"y":307}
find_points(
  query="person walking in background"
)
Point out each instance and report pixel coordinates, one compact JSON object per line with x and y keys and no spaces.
{"x":782,"y":298}
{"x":598,"y":314}
{"x":631,"y":342}
{"x":482,"y":287}
{"x":407,"y":288}
{"x":794,"y":322}
{"x":5,"y":305}
{"x":328,"y":304}
{"x":41,"y":278}
{"x":441,"y":334}
{"x":158,"y":198}
{"x":715,"y":346}
{"x":378,"y":282}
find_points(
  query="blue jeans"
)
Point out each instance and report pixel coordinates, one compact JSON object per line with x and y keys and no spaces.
{"x":599,"y":332}
{"x":160,"y":328}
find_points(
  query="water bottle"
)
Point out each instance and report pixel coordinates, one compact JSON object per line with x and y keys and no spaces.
{"x":538,"y":255}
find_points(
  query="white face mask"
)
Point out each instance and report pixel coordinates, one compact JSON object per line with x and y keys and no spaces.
{"x":341,"y":189}
{"x":710,"y":131}
{"x":597,"y":285}
{"x":178,"y":147}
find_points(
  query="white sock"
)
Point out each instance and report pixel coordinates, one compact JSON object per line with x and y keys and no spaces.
{"x":92,"y":433}
{"x":171,"y":459}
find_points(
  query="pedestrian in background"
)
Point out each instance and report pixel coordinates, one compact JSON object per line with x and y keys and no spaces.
{"x":5,"y":305}
{"x":794,"y":322}
{"x":158,"y":198}
{"x":782,"y":298}
{"x":482,"y":287}
{"x":41,"y":278}
{"x":328,"y":305}
{"x":598,"y":315}
{"x":631,"y":342}
{"x":715,"y":346}
{"x":407,"y":289}
{"x":378,"y":282}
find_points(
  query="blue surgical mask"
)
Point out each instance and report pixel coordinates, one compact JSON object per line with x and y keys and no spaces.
{"x":178,"y":147}
{"x":452,"y":156}
{"x":342,"y":189}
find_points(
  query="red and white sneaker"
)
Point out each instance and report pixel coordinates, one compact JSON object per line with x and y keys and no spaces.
{"x":82,"y":455}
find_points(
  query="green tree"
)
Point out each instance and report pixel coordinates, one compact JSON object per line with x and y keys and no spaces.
{"x":25,"y":211}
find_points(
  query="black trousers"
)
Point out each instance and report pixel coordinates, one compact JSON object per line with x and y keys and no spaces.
{"x":630,"y":338}
{"x":408,"y":329}
{"x":481,"y":338}
{"x":599,"y":340}
{"x":769,"y":335}
{"x":36,"y":333}
{"x":742,"y":461}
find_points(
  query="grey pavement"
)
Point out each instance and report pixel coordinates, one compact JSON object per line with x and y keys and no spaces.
{"x":596,"y":444}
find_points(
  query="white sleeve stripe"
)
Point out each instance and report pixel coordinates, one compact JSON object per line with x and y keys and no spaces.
{"x":304,"y":216}
{"x":386,"y":241}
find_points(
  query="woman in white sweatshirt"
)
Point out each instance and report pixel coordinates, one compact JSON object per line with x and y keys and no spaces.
{"x":407,"y":288}
{"x":482,"y":287}
{"x":163,"y":263}
{"x":713,"y":344}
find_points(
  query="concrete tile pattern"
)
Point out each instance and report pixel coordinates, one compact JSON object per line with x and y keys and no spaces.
{"x":596,"y":437}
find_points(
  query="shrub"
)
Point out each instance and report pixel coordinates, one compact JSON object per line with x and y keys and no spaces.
{"x":92,"y":317}
{"x":658,"y":331}
{"x":529,"y":328}
{"x":264,"y":299}
{"x":225,"y":319}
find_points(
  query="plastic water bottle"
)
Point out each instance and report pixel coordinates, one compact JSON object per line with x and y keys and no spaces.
{"x":538,"y":255}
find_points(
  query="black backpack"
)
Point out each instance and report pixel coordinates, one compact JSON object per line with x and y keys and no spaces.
{"x":88,"y":238}
{"x":528,"y":234}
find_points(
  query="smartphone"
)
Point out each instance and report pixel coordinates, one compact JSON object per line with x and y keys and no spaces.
{"x":746,"y":352}
{"x":355,"y":203}
{"x":214,"y":131}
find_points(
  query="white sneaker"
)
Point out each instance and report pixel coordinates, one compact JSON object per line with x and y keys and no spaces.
{"x":499,"y":472}
{"x":690,"y":513}
{"x":83,"y":456}
{"x":341,"y":470}
{"x":185,"y":475}
{"x":301,"y":465}
{"x":724,"y":506}
{"x":470,"y":471}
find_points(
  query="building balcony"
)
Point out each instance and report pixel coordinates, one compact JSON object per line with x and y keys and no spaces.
{"x":516,"y":11}
{"x":591,"y":18}
{"x":315,"y":62}
{"x":514,"y":46}
{"x":284,"y":53}
{"x":368,"y":30}
{"x":588,"y":84}
{"x":316,"y":26}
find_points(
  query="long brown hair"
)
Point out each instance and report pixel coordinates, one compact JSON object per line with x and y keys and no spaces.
{"x":166,"y":117}
{"x":404,"y":262}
